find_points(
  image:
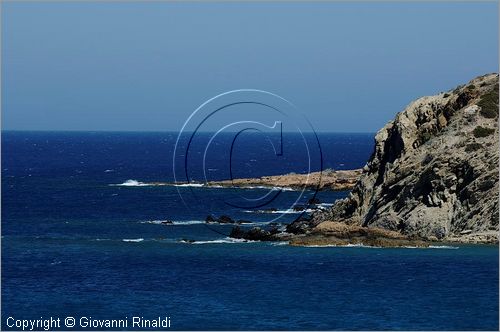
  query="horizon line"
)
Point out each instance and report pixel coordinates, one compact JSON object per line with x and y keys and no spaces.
{"x":168,"y":131}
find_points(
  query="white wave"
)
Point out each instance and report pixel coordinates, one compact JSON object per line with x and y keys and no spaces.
{"x":198,"y":222}
{"x":177,"y":223}
{"x":229,"y":240}
{"x":349,"y":245}
{"x":443,"y":247}
{"x":357,"y":245}
{"x":289,"y":211}
{"x":429,"y":247}
{"x":218,"y":186}
{"x":325,"y":204}
{"x":365,"y":246}
{"x":109,"y":170}
{"x":189,"y":185}
{"x":133,"y":240}
{"x":267,"y":187}
{"x":135,"y":183}
{"x":131,"y":183}
{"x":283,"y":188}
{"x":280,"y":243}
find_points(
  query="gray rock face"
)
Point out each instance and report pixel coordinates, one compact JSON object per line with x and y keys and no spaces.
{"x":434,"y":170}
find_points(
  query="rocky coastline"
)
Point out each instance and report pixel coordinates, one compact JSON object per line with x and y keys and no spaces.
{"x":432,"y":178}
{"x":326,"y":180}
{"x":337,"y":180}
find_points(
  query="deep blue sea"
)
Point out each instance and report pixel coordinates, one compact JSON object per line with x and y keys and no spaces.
{"x":82,"y":236}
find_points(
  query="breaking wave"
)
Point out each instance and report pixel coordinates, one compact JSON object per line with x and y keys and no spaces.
{"x":131,"y":183}
{"x":288,"y":211}
{"x":136,"y":183}
{"x":376,"y":247}
{"x":133,"y":240}
{"x":443,"y":247}
{"x":229,"y":240}
{"x":197,"y":185}
{"x":171,"y":222}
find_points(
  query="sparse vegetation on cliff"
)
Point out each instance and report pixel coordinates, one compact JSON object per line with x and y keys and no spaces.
{"x":473,"y":147}
{"x":480,"y":132}
{"x":433,"y":191}
{"x":489,"y":104}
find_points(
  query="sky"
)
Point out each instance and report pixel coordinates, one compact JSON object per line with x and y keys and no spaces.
{"x":348,"y":67}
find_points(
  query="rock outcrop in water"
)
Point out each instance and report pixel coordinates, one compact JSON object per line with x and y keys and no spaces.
{"x":326,"y":180}
{"x":433,"y":174}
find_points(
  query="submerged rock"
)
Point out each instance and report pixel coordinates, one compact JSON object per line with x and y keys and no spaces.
{"x":210,"y":219}
{"x":243,"y":222}
{"x":299,"y":208}
{"x":313,"y":201}
{"x":259,"y":234}
{"x":224,"y":219}
{"x":254,"y":234}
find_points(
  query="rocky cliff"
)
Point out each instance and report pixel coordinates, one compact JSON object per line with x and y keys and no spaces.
{"x":433,"y":173}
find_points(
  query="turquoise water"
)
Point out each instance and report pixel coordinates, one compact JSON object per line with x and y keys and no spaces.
{"x":74,"y":244}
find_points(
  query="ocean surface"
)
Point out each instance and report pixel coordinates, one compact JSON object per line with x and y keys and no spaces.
{"x":82,"y":236}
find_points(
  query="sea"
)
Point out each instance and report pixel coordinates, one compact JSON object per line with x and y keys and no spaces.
{"x":93,"y":228}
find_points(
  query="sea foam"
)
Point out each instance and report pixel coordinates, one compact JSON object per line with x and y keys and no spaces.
{"x":288,"y":211}
{"x":133,"y":240}
{"x":189,"y":185}
{"x":131,"y":183}
{"x":226,"y":240}
{"x":177,"y":223}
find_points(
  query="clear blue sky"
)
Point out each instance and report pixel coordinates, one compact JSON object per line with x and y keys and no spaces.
{"x":146,"y":66}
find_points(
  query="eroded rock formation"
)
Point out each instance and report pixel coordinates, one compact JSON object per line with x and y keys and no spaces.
{"x":433,"y":173}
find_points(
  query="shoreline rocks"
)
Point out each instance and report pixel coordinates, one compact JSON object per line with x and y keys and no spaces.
{"x":225,"y":219}
{"x":433,"y":177}
{"x":434,"y":171}
{"x":254,"y":234}
{"x":326,"y":180}
{"x":331,"y":233}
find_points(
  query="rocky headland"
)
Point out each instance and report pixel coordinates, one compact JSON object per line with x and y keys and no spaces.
{"x":433,"y":177}
{"x":326,"y":180}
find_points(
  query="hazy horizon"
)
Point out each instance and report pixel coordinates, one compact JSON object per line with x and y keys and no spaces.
{"x":55,"y":131}
{"x":349,"y":67}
